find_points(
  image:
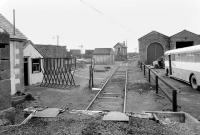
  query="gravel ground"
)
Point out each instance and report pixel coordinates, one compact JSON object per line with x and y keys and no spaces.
{"x":78,"y":98}
{"x":90,"y":126}
{"x":141,"y":95}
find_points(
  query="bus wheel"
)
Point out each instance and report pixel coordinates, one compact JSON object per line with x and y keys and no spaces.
{"x":193,"y":82}
{"x":167,"y":72}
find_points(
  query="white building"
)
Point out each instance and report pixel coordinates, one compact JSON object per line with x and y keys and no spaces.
{"x":104,"y":56}
{"x":32,"y":65}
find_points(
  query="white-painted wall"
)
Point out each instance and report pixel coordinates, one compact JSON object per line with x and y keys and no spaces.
{"x":30,"y":52}
{"x":12,"y":71}
{"x":104,"y":59}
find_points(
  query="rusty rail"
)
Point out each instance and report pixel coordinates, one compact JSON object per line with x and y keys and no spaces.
{"x":125,"y":94}
{"x":173,"y":100}
{"x":90,"y":104}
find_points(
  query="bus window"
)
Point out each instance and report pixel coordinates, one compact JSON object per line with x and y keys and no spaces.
{"x":172,"y":57}
{"x":189,"y":57}
{"x":177,"y":57}
{"x":183,"y":57}
{"x":197,"y":57}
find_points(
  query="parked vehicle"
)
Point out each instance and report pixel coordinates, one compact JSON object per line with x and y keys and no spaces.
{"x":184,"y":64}
{"x":159,"y":63}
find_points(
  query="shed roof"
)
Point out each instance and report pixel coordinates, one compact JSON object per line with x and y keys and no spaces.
{"x":51,"y":51}
{"x":195,"y":48}
{"x":120,"y":44}
{"x":151,"y":33}
{"x":183,"y":32}
{"x":103,"y":51}
{"x":6,"y":25}
{"x":75,"y":51}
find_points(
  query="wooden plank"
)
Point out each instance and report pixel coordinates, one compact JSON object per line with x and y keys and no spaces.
{"x":107,"y":97}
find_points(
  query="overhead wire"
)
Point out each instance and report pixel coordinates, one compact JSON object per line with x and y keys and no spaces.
{"x":108,"y":17}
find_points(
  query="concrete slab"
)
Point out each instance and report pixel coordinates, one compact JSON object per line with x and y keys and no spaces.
{"x":49,"y":112}
{"x":115,"y":116}
{"x":96,"y":89}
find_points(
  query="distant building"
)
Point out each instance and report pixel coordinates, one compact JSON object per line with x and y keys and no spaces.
{"x":88,"y":53}
{"x":154,"y":44}
{"x":104,"y":56}
{"x":184,"y":39}
{"x":51,"y":51}
{"x":17,"y":40}
{"x":76,"y":53}
{"x":120,"y":50}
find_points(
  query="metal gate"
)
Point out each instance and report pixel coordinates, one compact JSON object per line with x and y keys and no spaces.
{"x":154,"y":51}
{"x":58,"y":72}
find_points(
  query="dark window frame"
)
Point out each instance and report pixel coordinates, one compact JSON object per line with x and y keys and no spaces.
{"x":36,"y":65}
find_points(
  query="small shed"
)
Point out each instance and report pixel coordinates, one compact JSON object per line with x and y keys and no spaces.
{"x":34,"y":52}
{"x":32,"y":70}
{"x":88,"y":53}
{"x":120,"y":51}
{"x":104,"y":56}
{"x":76,"y":53}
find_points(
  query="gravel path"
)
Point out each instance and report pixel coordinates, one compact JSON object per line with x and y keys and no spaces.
{"x":91,"y":126}
{"x":141,"y":95}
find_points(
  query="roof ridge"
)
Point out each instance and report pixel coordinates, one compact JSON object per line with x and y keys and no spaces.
{"x":152,"y":32}
{"x":183,"y":31}
{"x":8,"y":26}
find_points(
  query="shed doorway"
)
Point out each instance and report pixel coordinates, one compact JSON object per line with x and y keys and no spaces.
{"x":26,"y":78}
{"x":154,"y":51}
{"x":183,"y":44}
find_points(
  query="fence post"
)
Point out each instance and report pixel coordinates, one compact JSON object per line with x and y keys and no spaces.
{"x":144,"y":70}
{"x":174,"y":99}
{"x":149,"y":75}
{"x":89,"y":76}
{"x":156,"y":84}
{"x":92,"y":72}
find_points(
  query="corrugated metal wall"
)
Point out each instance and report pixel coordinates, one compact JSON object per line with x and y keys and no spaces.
{"x":104,"y":59}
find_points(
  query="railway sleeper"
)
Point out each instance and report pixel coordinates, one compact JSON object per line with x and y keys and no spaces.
{"x":108,"y":97}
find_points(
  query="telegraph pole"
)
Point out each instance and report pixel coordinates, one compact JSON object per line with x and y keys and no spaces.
{"x":13,"y":21}
{"x":57,"y":39}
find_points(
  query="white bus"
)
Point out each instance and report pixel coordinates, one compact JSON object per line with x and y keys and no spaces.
{"x":184,"y":64}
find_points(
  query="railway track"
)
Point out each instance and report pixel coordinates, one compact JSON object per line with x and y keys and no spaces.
{"x":112,"y":95}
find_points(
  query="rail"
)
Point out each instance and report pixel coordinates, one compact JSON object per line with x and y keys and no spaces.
{"x":90,"y":104}
{"x":125,"y":88}
{"x":172,"y":99}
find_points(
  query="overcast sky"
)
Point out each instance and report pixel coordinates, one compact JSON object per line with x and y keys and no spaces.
{"x":100,"y":23}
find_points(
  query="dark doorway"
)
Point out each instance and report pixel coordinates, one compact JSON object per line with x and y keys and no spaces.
{"x":26,"y":72}
{"x":183,"y":44}
{"x":154,"y":51}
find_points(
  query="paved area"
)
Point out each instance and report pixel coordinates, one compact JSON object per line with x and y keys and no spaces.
{"x":188,"y":99}
{"x":141,"y":95}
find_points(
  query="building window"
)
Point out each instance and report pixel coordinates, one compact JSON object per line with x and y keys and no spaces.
{"x":36,"y":65}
